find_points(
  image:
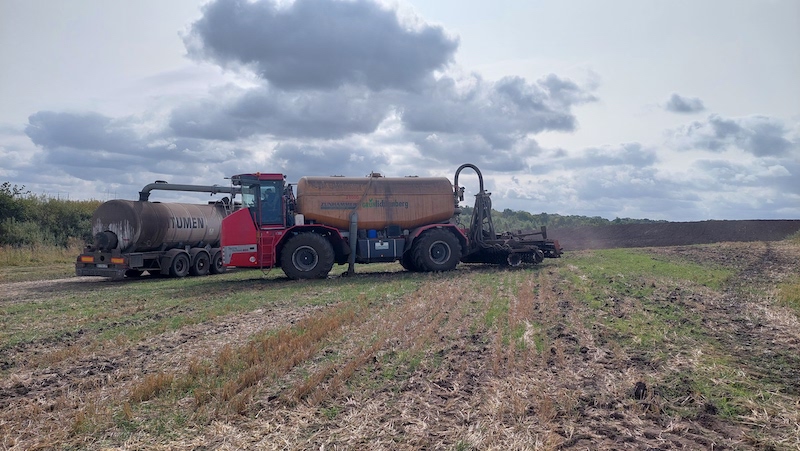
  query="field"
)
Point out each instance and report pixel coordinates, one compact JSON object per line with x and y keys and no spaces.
{"x":680,"y":347}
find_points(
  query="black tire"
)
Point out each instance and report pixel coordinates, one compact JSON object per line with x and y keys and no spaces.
{"x":407,"y":262}
{"x":436,"y":250}
{"x":307,"y":256}
{"x":201,"y":263}
{"x":180,"y":265}
{"x":217,"y":266}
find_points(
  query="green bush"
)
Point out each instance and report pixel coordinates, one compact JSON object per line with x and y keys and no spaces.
{"x":27,"y":220}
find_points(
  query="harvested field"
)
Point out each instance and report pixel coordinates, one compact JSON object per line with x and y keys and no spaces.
{"x":682,"y":347}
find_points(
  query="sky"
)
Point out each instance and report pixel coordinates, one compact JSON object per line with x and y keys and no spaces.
{"x":678,"y":110}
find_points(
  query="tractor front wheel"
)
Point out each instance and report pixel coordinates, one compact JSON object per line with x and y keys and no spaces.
{"x":307,"y":256}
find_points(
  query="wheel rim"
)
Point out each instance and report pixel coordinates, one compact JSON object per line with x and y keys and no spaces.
{"x":440,"y":252}
{"x":305,"y":258}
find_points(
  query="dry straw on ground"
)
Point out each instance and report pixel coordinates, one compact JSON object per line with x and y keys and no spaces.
{"x":546,"y":358}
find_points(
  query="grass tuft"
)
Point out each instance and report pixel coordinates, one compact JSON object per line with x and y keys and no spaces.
{"x":152,"y":386}
{"x":789,"y":294}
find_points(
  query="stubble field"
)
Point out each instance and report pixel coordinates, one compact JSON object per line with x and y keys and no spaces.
{"x":680,"y":347}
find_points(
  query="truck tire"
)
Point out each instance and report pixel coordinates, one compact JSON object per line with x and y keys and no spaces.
{"x":201,"y":263}
{"x":436,"y":250}
{"x":180,"y":265}
{"x":217,"y":266}
{"x":307,"y":256}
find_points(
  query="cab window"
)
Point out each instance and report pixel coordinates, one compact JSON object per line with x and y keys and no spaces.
{"x":271,"y":202}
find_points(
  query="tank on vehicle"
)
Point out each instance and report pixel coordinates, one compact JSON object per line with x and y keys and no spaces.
{"x":132,"y":226}
{"x":407,"y":202}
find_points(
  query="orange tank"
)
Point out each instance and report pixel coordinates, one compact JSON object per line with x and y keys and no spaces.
{"x":407,"y":202}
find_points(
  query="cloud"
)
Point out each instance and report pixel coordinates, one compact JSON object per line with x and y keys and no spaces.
{"x":320,"y":44}
{"x":83,"y":134}
{"x":327,"y":158}
{"x":760,"y":136}
{"x":500,"y":112}
{"x":762,"y":173}
{"x":88,"y":145}
{"x":348,"y":87}
{"x":237,"y":114}
{"x":680,"y":104}
{"x":629,"y":154}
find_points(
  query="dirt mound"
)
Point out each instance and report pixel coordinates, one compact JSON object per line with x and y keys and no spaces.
{"x":672,"y":233}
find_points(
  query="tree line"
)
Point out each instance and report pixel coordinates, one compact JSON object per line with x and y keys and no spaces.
{"x":29,"y":220}
{"x":510,"y":220}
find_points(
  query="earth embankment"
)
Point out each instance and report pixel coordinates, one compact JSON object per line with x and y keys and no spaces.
{"x":672,"y":233}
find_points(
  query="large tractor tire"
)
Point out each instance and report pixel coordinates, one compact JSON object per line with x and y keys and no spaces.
{"x":307,"y":256}
{"x":436,"y":250}
{"x":407,"y":262}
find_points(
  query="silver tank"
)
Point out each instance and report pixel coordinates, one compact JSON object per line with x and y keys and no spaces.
{"x":135,"y":226}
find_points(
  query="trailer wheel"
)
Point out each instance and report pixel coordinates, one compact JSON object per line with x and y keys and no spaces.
{"x":307,"y":256}
{"x":180,"y":265}
{"x":200,"y":263}
{"x":436,"y":250}
{"x":217,"y":266}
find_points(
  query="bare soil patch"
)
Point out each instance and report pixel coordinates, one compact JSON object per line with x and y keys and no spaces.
{"x":673,"y":233}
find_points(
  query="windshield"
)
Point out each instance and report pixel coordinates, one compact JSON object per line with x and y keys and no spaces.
{"x":264,"y":199}
{"x":271,"y":202}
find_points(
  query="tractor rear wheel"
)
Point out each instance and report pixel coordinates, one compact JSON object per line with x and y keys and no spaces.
{"x":436,"y":250}
{"x":407,"y":262}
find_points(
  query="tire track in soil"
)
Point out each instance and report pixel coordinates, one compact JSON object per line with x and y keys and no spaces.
{"x":764,"y":341}
{"x":768,"y":351}
{"x":743,"y":319}
{"x":31,"y":291}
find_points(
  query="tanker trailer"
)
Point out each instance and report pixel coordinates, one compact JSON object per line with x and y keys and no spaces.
{"x":174,"y":239}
